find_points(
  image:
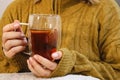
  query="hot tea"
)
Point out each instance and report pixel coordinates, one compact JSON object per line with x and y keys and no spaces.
{"x":44,"y":34}
{"x":44,"y":42}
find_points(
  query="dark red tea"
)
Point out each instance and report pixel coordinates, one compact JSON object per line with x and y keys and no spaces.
{"x":44,"y":42}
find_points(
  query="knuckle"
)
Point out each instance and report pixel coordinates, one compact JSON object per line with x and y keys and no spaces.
{"x":4,"y":28}
{"x":5,"y":47}
{"x":52,"y":66}
{"x":8,"y":54}
{"x":4,"y":36}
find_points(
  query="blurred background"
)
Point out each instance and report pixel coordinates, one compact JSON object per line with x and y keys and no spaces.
{"x":5,"y":3}
{"x":118,"y":1}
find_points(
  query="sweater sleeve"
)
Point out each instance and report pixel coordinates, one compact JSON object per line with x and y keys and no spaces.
{"x":108,"y":68}
{"x":17,"y":63}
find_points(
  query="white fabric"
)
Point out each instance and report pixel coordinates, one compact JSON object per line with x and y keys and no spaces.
{"x":30,"y":76}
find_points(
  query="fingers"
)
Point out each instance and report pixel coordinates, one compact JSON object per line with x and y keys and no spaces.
{"x":45,"y":62}
{"x":12,"y":47}
{"x":13,"y":43}
{"x":41,"y":66}
{"x":12,"y":35}
{"x":37,"y":69}
{"x":13,"y":51}
{"x":13,"y":39}
{"x":32,"y":69}
{"x":12,"y":27}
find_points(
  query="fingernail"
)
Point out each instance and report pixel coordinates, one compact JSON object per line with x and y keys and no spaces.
{"x":55,"y":55}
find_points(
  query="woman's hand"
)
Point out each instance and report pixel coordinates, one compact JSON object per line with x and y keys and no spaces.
{"x":13,"y":39}
{"x":42,"y":67}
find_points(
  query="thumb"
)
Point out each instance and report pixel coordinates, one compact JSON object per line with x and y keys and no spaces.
{"x":17,"y":26}
{"x":57,"y":55}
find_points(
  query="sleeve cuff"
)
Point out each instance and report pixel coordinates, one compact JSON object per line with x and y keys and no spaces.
{"x":65,"y":65}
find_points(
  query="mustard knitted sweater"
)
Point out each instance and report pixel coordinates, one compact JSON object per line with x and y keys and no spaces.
{"x":90,"y":36}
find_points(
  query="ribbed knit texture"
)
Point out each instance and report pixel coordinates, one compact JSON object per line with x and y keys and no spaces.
{"x":90,"y":36}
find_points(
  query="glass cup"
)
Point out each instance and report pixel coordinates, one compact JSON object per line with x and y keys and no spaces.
{"x":44,"y":34}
